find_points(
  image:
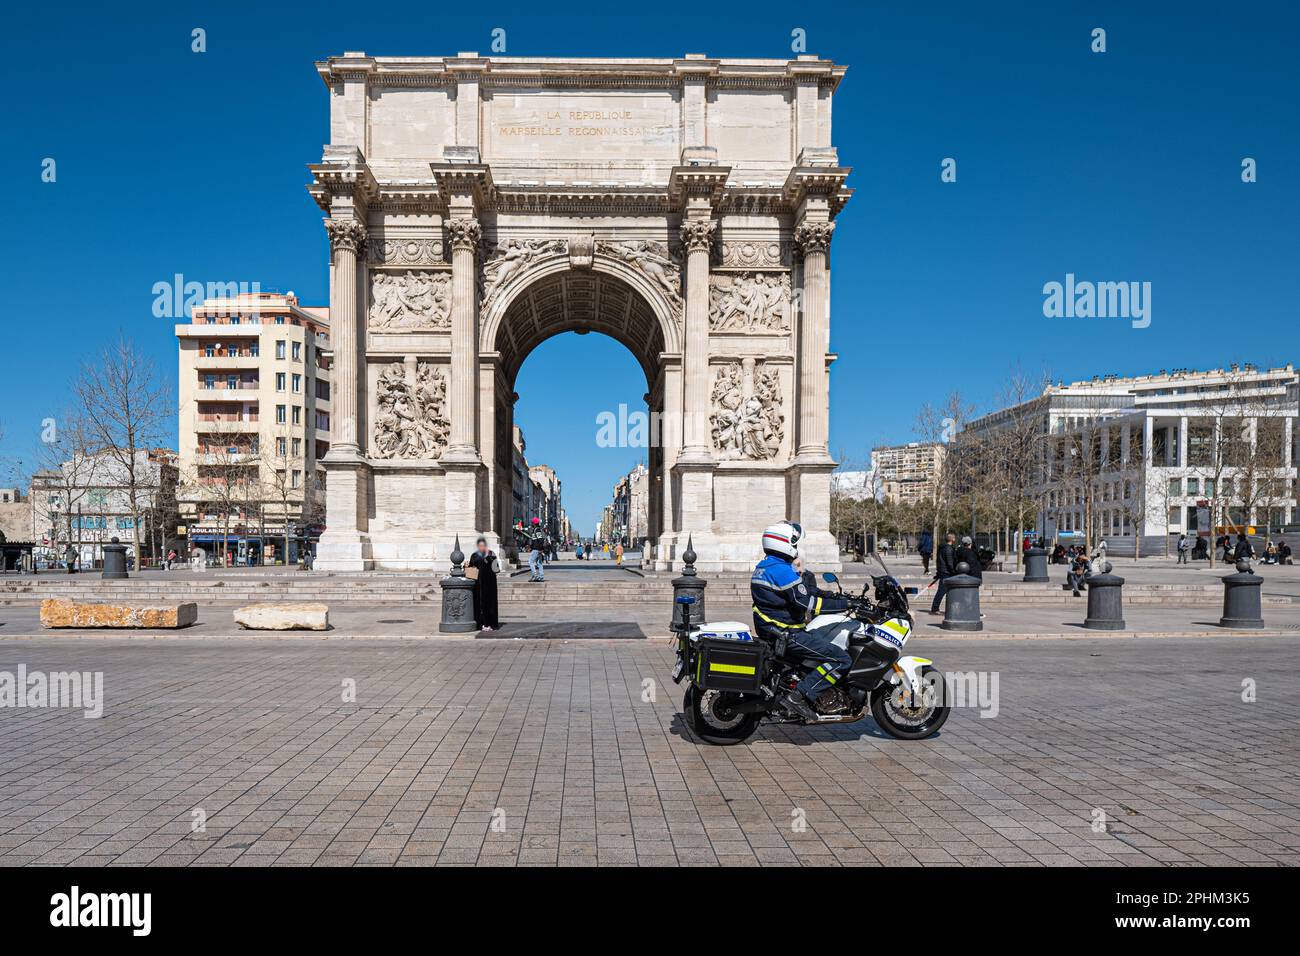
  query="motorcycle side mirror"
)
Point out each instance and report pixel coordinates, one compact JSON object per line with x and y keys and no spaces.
{"x":830,"y":578}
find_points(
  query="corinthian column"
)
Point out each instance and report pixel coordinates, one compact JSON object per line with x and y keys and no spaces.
{"x":814,"y":240}
{"x":347,"y":238}
{"x":697,"y":238}
{"x":464,"y":233}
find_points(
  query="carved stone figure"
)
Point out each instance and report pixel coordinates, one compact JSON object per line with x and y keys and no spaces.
{"x":510,"y":257}
{"x":746,"y":419}
{"x":650,"y":257}
{"x":748,"y":303}
{"x":414,"y":301}
{"x":412,"y":420}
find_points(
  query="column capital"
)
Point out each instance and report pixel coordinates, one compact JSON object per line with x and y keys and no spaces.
{"x":697,"y":234}
{"x":813,"y":236}
{"x":349,"y":234}
{"x":464,"y":232}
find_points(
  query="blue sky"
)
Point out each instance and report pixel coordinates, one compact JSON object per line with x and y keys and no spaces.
{"x":1122,"y":166}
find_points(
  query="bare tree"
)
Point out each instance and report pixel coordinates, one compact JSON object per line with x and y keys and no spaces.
{"x":126,"y":408}
{"x":224,"y":482}
{"x":285,"y":481}
{"x":941,"y":426}
{"x":66,"y":468}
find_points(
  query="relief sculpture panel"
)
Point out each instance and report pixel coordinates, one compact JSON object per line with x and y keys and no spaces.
{"x":412,"y":420}
{"x":746,"y":414}
{"x":749,"y":302}
{"x":410,"y":302}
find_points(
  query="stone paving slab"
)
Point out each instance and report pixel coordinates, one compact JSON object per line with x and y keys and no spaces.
{"x":556,"y":753}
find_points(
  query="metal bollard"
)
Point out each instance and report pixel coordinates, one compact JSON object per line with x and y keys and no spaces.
{"x":457,"y":597}
{"x":115,"y":560}
{"x":1036,"y":566}
{"x":690,"y":583}
{"x":1242,"y":599}
{"x":961,"y":610}
{"x":1105,"y":601}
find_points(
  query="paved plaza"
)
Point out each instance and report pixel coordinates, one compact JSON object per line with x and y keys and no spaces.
{"x":1102,"y":752}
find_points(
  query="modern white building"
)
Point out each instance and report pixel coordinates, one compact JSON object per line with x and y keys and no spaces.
{"x":1164,"y":454}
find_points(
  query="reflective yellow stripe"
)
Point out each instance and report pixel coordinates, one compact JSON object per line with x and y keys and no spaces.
{"x":773,"y":621}
{"x":817,"y":608}
{"x":731,"y":668}
{"x":899,"y":629}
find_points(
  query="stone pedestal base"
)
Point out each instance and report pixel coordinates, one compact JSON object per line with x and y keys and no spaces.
{"x":343,"y":546}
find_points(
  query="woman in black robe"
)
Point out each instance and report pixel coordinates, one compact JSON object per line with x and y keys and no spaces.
{"x":484,"y":562}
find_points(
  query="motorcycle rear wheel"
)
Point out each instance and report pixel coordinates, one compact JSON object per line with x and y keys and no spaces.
{"x":909,"y":723}
{"x":708,"y":718}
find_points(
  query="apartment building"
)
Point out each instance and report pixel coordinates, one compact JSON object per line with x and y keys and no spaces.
{"x":907,"y":473}
{"x":254,"y":425}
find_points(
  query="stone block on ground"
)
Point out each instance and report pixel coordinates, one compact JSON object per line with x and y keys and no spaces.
{"x":284,"y":617}
{"x":61,"y":613}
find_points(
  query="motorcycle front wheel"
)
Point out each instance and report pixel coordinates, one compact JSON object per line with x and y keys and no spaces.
{"x":709,"y":718}
{"x":909,"y":717}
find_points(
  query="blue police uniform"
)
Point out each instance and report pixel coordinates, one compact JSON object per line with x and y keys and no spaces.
{"x":783,"y":604}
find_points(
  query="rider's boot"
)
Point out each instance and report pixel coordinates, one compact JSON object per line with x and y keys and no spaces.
{"x":797,"y":704}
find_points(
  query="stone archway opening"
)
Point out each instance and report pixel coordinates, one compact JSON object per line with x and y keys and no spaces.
{"x":581,"y":301}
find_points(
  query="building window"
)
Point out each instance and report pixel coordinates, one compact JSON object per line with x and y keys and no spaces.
{"x":297,"y":479}
{"x":1175,"y":487}
{"x":279,"y":447}
{"x":1193,"y":486}
{"x":279,"y":414}
{"x":279,"y":320}
{"x":279,"y":348}
{"x":1175,"y":516}
{"x":254,"y":350}
{"x":297,"y":415}
{"x":297,"y":447}
{"x":279,"y":381}
{"x":297,"y":382}
{"x":297,"y":351}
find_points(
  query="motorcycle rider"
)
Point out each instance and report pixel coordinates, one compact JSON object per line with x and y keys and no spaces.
{"x":783,"y":605}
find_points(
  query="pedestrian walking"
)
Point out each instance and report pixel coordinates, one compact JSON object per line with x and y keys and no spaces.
{"x":483,"y":568}
{"x":925,"y":547}
{"x":945,"y":566}
{"x":1243,"y":550}
{"x":618,"y":554}
{"x":1184,"y":548}
{"x":171,"y":558}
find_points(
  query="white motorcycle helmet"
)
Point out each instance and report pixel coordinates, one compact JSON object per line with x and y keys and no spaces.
{"x":782,"y":540}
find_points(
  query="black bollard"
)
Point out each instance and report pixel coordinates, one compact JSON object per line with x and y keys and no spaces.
{"x":1036,"y":566}
{"x":691,"y":584}
{"x":115,"y":560}
{"x":1241,"y":598}
{"x":1105,"y":601}
{"x":457,"y":597}
{"x":961,"y":610}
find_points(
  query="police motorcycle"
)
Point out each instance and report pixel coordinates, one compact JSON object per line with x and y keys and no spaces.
{"x":737,"y":679}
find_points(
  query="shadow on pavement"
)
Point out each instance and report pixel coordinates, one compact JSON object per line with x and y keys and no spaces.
{"x":566,"y":630}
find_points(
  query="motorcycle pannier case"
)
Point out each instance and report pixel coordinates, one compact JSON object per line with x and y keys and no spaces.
{"x":735,"y":666}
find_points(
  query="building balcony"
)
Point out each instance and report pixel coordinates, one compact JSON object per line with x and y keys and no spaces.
{"x":245,"y":330}
{"x":227,"y":363}
{"x":244,"y":393}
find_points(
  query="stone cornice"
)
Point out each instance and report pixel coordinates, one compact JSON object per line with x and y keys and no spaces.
{"x":343,"y":172}
{"x":465,"y":179}
{"x":697,"y":181}
{"x":557,"y":72}
{"x":826,"y":182}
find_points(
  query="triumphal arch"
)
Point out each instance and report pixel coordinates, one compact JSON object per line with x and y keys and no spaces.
{"x":476,"y":206}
